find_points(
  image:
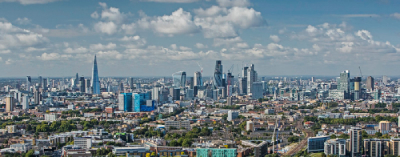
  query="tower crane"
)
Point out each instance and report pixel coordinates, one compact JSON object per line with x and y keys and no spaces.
{"x":360,"y":71}
{"x":200,"y":68}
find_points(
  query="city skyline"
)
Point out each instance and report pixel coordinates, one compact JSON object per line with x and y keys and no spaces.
{"x":315,"y":39}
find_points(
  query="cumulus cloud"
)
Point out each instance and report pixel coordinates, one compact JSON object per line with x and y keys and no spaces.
{"x":14,"y":37}
{"x":53,"y":56}
{"x":76,"y":50}
{"x":275,"y":38}
{"x":179,"y":22}
{"x":130,"y":38}
{"x":94,"y":15}
{"x":23,"y":21}
{"x":200,"y":46}
{"x":233,"y":3}
{"x":129,"y":28}
{"x":99,"y":46}
{"x":106,"y":27}
{"x":111,"y":54}
{"x":396,"y":15}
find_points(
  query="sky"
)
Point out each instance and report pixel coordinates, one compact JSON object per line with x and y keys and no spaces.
{"x":59,"y":38}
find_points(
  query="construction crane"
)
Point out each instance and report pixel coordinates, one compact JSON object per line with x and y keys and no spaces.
{"x":273,"y":135}
{"x":231,"y":69}
{"x":200,"y":68}
{"x":360,"y":71}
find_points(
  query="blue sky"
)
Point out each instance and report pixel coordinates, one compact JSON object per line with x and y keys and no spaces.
{"x":160,"y":37}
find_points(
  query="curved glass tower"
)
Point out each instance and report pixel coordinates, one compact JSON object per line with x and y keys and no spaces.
{"x":95,"y":78}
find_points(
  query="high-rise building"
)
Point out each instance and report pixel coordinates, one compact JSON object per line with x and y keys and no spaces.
{"x":9,"y":103}
{"x":131,"y":83}
{"x":175,"y":93}
{"x":125,"y":102}
{"x":357,"y":90}
{"x":25,"y":102}
{"x":95,"y":78}
{"x":336,"y":147}
{"x":344,"y":83}
{"x":82,"y":86}
{"x":232,"y":115}
{"x":44,"y":85}
{"x":243,"y":85}
{"x":28,"y":83}
{"x":385,"y":79}
{"x":183,"y":80}
{"x":384,"y":127}
{"x":370,"y":83}
{"x":198,"y":79}
{"x":257,"y":90}
{"x":251,"y":77}
{"x":87,"y":83}
{"x":40,"y":81}
{"x":394,"y":148}
{"x":37,"y":97}
{"x":376,"y":147}
{"x":155,"y":93}
{"x":218,"y":74}
{"x":355,"y":142}
{"x":121,"y":87}
{"x":316,"y":144}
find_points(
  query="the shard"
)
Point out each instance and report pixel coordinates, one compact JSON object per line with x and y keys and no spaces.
{"x":95,"y":78}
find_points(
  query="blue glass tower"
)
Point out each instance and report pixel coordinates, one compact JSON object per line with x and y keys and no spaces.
{"x":128,"y":103}
{"x":95,"y":78}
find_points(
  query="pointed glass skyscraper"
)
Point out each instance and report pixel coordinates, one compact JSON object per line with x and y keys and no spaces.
{"x":95,"y":78}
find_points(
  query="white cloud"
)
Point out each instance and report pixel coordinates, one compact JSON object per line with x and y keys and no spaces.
{"x":227,"y":41}
{"x":234,"y":3}
{"x":5,"y":51}
{"x":23,"y":21}
{"x":129,"y":28}
{"x":76,"y":50}
{"x":27,"y":2}
{"x":130,"y":38}
{"x":14,"y":37}
{"x":200,"y":46}
{"x":106,"y":27}
{"x":34,"y":49}
{"x":112,"y":54}
{"x":212,"y":11}
{"x":183,"y":48}
{"x":113,"y":14}
{"x":53,"y":56}
{"x":396,"y":15}
{"x":179,"y":22}
{"x":364,"y":34}
{"x":94,"y":15}
{"x":275,"y":38}
{"x":173,"y":1}
{"x":99,"y":46}
{"x":9,"y":61}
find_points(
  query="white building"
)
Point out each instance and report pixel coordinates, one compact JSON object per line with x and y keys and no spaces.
{"x":11,"y":129}
{"x":178,"y":124}
{"x":21,"y":147}
{"x":232,"y":115}
{"x":84,"y":142}
{"x":335,"y":147}
{"x":249,"y":126}
{"x":50,"y":117}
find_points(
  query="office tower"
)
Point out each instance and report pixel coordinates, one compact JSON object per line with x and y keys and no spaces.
{"x":355,"y":142}
{"x":125,"y":102}
{"x":243,"y":85}
{"x":190,"y":94}
{"x":370,"y":83}
{"x":191,"y":82}
{"x":25,"y":102}
{"x":131,"y":83}
{"x":385,"y":79}
{"x":377,"y":94}
{"x":183,"y":80}
{"x":316,"y":144}
{"x":384,"y":127}
{"x":76,"y":79}
{"x":218,"y":74}
{"x":244,"y":72}
{"x":357,"y":90}
{"x":198,"y":79}
{"x":44,"y":85}
{"x":82,"y":86}
{"x":257,"y":90}
{"x":344,"y":83}
{"x":312,"y":79}
{"x":232,"y":115}
{"x":376,"y":147}
{"x":37,"y":97}
{"x":121,"y":87}
{"x":229,"y":101}
{"x":87,"y":83}
{"x":28,"y":83}
{"x":40,"y":81}
{"x":229,"y":90}
{"x":251,"y":77}
{"x":175,"y":93}
{"x":9,"y":103}
{"x":95,"y":78}
{"x":155,"y":94}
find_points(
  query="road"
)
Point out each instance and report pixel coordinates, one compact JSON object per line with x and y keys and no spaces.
{"x":303,"y":143}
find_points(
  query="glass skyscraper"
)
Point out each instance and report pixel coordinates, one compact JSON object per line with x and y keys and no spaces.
{"x":95,"y":78}
{"x":218,"y":74}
